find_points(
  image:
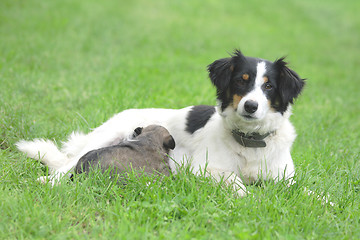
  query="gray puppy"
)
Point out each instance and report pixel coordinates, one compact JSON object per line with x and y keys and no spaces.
{"x":147,"y":152}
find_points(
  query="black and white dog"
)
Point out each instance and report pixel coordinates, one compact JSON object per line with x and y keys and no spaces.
{"x":245,"y":138}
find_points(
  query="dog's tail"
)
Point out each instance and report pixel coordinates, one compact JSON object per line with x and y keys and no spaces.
{"x":48,"y":153}
{"x":43,"y":150}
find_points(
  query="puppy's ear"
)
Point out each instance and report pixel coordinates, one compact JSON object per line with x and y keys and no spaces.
{"x":169,"y":142}
{"x":137,"y":131}
{"x":289,"y":82}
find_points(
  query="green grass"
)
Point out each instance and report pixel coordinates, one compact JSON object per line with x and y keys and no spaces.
{"x":70,"y":65}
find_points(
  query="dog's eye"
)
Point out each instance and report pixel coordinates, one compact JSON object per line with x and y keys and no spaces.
{"x":268,"y":86}
{"x":245,"y":76}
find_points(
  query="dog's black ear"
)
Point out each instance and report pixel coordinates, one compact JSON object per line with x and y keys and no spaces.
{"x":137,"y":131}
{"x":289,"y":83}
{"x":169,"y":142}
{"x":220,"y":73}
{"x":221,"y":70}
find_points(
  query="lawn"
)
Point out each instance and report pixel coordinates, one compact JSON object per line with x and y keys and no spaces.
{"x":70,"y":65}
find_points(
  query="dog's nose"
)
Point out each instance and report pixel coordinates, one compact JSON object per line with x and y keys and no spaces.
{"x":251,"y":106}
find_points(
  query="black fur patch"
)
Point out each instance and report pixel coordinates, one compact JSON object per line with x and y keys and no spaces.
{"x":198,"y":117}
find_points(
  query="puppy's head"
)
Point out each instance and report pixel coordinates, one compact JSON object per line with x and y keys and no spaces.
{"x":254,"y":87}
{"x":158,"y":134}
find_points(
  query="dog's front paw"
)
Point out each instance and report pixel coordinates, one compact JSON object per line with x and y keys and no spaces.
{"x":230,"y":179}
{"x":240,"y":190}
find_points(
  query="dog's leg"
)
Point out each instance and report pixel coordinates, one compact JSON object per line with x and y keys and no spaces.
{"x":229,"y":178}
{"x":52,"y":179}
{"x":289,"y":177}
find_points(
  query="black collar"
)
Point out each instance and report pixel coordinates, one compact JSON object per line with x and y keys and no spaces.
{"x":251,"y":140}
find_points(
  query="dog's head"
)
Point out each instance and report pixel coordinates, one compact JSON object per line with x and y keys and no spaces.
{"x":157,"y":134}
{"x":253,"y":87}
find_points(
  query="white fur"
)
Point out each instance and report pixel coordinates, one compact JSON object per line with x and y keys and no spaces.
{"x":212,"y":146}
{"x":44,"y":150}
{"x":256,"y":95}
{"x":260,"y":72}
